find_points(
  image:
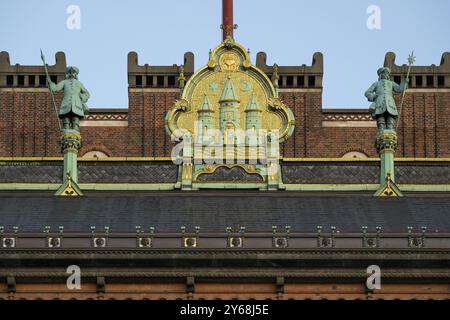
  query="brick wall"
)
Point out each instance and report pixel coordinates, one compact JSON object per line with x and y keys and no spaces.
{"x":28,"y":124}
{"x":146,"y":123}
{"x":424,"y":127}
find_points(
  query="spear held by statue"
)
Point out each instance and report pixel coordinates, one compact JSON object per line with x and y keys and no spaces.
{"x":51,"y":92}
{"x":73,"y":105}
{"x":411,"y":59}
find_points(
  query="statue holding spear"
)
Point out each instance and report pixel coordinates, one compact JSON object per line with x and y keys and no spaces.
{"x":380,"y":93}
{"x":73,"y":105}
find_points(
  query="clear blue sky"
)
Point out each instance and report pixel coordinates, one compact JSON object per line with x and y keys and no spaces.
{"x":289,"y":31}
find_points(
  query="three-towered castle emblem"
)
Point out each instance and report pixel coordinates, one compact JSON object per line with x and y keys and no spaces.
{"x":229,"y":104}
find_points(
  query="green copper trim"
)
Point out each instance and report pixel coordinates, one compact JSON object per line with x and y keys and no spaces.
{"x":212,"y":185}
{"x":29,"y":186}
{"x":363,"y":159}
{"x":89,"y":186}
{"x":127,"y":186}
{"x":331,"y":187}
{"x":365,"y":187}
{"x":12,"y":159}
{"x":111,"y":159}
{"x":425,"y":187}
{"x":263,"y":186}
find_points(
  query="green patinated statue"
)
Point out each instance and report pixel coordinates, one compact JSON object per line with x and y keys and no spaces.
{"x":383,"y":107}
{"x":73,"y":105}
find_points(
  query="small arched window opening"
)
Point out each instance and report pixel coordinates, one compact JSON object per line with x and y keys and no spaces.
{"x":95,"y":154}
{"x":354,"y":154}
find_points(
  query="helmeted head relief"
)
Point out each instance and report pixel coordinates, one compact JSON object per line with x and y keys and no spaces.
{"x":72,"y":72}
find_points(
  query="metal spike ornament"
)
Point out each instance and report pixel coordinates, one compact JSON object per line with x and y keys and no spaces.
{"x":411,"y":60}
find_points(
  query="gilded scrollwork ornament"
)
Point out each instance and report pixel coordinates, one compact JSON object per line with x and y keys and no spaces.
{"x":70,"y":141}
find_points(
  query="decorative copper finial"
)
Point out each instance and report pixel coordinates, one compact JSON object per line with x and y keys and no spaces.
{"x":275,"y":78}
{"x":227,"y":19}
{"x":388,"y":191}
{"x":181,"y":79}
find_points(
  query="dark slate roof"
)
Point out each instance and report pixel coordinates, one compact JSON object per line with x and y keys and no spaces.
{"x":90,"y":172}
{"x":422,"y":173}
{"x":31,"y":171}
{"x":365,"y":172}
{"x":127,"y":172}
{"x":303,"y":172}
{"x":336,"y":172}
{"x":213,"y":212}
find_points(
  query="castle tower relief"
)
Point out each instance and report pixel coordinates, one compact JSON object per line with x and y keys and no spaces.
{"x":243,"y":97}
{"x":206,"y":121}
{"x":253,"y":115}
{"x":229,"y":113}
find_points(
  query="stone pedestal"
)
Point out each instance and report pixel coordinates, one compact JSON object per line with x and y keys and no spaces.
{"x":386,"y":144}
{"x":70,"y":144}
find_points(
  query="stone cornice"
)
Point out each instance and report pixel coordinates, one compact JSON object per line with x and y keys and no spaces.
{"x":304,"y":273}
{"x":257,"y":254}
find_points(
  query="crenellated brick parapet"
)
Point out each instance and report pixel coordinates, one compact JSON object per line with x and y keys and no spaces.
{"x":28,"y":126}
{"x":157,"y":76}
{"x":301,"y":76}
{"x":421,"y":76}
{"x":30,"y":76}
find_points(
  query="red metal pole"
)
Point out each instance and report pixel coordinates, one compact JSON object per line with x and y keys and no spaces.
{"x":227,"y":19}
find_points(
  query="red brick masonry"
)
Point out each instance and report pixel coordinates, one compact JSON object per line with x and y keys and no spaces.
{"x":28,"y":123}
